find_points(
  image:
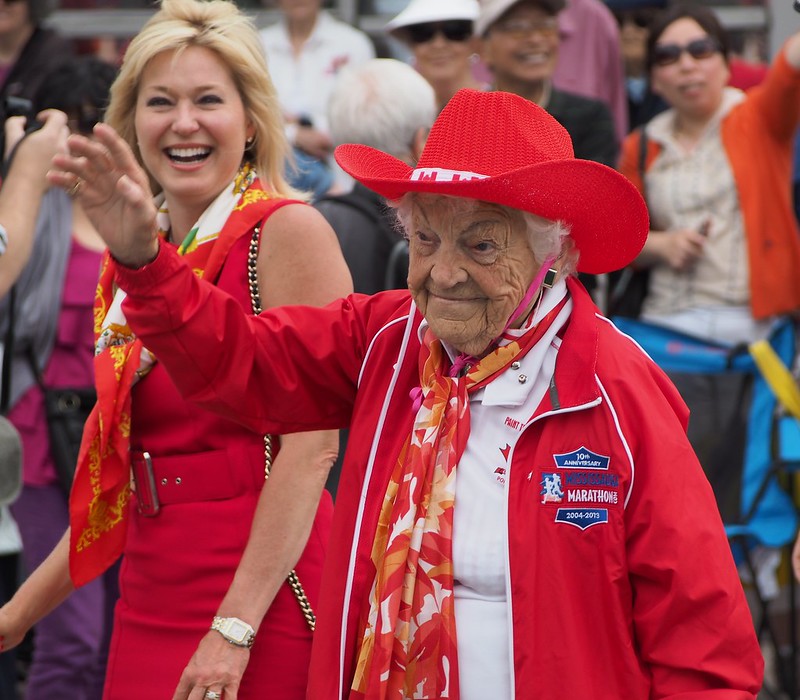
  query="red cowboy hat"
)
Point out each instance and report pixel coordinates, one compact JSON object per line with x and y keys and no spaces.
{"x":502,"y":148}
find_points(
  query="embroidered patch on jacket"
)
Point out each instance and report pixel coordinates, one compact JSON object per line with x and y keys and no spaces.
{"x":551,"y":488}
{"x":582,"y":458}
{"x":582,"y":487}
{"x":582,"y":517}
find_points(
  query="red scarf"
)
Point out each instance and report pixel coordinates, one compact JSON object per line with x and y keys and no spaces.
{"x":407,"y":646}
{"x":98,"y":504}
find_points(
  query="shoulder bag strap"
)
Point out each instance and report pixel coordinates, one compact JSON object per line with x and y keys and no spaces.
{"x":8,"y":352}
{"x":255,"y":302}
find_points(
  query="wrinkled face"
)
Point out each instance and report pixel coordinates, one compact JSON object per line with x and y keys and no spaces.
{"x":191,"y":125}
{"x":693,"y":86}
{"x":521,"y":47}
{"x":470,"y":266}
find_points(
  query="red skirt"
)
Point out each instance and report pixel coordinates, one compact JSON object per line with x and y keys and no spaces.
{"x":176,"y":569}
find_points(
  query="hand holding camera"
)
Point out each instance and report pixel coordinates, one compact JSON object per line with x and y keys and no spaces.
{"x":31,"y":145}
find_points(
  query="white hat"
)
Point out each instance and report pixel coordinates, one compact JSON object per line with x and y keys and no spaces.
{"x":492,"y":10}
{"x":422,"y":11}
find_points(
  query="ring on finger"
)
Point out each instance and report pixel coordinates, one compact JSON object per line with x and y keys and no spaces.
{"x":212,"y":695}
{"x":73,"y":191}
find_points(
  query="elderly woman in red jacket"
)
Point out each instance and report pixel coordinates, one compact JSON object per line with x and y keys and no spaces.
{"x":519,"y":511}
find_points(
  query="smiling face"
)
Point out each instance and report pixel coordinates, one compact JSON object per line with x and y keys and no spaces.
{"x":444,"y":60}
{"x":470,"y":266}
{"x":521,"y":48}
{"x":191,"y":125}
{"x":693,"y":86}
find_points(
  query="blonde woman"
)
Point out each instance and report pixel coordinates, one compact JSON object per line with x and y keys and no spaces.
{"x":195,"y":104}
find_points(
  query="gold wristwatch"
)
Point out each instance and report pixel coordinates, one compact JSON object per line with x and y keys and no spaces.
{"x":236,"y":631}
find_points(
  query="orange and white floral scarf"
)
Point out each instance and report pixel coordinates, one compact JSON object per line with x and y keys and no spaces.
{"x":407,"y":644}
{"x":101,"y":489}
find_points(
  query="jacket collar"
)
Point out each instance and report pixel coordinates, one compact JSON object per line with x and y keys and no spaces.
{"x":574,"y":384}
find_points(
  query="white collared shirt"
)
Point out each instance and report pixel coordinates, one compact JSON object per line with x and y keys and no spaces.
{"x":305,"y":82}
{"x":684,"y":190}
{"x":498,"y":412}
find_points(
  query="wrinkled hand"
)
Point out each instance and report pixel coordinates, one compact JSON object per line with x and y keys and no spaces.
{"x":681,"y":248}
{"x":314,"y":142}
{"x":114,"y":192}
{"x":35,"y":151}
{"x":12,"y":631}
{"x":216,"y":665}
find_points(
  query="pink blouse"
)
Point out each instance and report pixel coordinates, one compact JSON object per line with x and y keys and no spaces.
{"x":70,"y":363}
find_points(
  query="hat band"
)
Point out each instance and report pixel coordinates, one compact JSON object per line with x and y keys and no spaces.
{"x":445,"y":175}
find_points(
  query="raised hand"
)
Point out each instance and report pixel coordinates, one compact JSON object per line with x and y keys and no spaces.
{"x":114,"y":191}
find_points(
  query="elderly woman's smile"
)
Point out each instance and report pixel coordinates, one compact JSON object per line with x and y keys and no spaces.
{"x":470,"y":266}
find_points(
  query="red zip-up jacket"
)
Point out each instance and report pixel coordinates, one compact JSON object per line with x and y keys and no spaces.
{"x":625,"y":589}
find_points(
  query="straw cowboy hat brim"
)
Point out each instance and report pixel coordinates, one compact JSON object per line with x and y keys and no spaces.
{"x":608,"y":218}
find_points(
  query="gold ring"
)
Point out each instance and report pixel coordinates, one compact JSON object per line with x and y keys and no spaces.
{"x":73,"y":191}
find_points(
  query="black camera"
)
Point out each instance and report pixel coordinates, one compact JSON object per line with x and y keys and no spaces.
{"x":15,"y":107}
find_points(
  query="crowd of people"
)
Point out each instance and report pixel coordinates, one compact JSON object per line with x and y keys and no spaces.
{"x":265,"y":271}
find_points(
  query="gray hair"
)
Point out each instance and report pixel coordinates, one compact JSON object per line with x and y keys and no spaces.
{"x":547,"y":239}
{"x":382,"y":103}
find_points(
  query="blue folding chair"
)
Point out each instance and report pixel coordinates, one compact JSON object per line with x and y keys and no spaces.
{"x":763,"y":511}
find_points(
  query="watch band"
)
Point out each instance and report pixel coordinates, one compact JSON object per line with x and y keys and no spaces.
{"x":234,"y":630}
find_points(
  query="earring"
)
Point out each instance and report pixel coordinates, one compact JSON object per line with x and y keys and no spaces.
{"x":549,"y":278}
{"x":249,"y":143}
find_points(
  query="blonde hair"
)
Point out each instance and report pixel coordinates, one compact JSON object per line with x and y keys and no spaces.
{"x":219,"y":26}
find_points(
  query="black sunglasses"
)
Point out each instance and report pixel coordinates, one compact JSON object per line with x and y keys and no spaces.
{"x":640,"y":18}
{"x":453,"y":30}
{"x":667,"y":54}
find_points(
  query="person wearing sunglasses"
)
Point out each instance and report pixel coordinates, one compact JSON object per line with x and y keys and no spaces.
{"x":440,"y":37}
{"x":723,"y":251}
{"x":634,"y":18}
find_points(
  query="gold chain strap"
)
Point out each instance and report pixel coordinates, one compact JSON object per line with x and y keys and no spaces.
{"x":255,"y":301}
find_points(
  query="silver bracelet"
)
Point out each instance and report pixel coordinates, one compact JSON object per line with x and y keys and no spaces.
{"x":3,"y":239}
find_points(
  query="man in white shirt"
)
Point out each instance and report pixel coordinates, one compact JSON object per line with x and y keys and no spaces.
{"x":306,"y":50}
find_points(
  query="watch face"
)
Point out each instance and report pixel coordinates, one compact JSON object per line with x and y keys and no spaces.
{"x":237,"y":630}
